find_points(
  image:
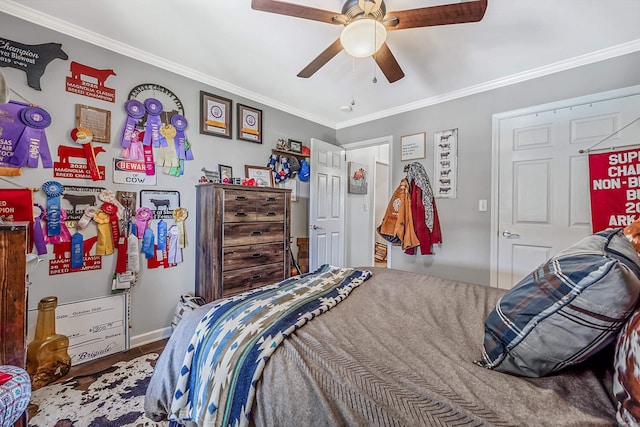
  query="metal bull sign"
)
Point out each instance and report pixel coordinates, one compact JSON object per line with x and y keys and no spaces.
{"x":32,"y":59}
{"x":89,"y":81}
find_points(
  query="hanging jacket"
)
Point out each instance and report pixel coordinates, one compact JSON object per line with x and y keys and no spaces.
{"x":425,"y":214}
{"x":397,"y":224}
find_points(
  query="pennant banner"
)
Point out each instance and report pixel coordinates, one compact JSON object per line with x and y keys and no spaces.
{"x":614,"y":180}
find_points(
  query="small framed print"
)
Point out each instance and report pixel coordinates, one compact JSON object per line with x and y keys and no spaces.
{"x":215,"y":115}
{"x":291,"y":184}
{"x":97,"y":120}
{"x":249,"y":124}
{"x":226,"y":174}
{"x":263,"y":175}
{"x":413,"y":147}
{"x":295,"y":146}
{"x":160,"y":203}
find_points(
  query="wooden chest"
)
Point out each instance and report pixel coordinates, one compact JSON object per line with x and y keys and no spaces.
{"x":242,"y":238}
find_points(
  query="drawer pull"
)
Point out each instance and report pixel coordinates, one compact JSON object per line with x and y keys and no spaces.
{"x":256,"y":233}
{"x":256,"y":255}
{"x":256,"y":277}
{"x":241,"y":214}
{"x":241,"y":198}
{"x":271,"y":199}
{"x":271,"y":214}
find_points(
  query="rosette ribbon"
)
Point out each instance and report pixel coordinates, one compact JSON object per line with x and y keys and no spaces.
{"x":152,"y":127}
{"x":38,"y":234}
{"x":143,"y":216}
{"x":53,"y":190}
{"x":108,"y":196}
{"x":167,"y":156}
{"x":182,"y":144}
{"x":135,"y":151}
{"x":179,"y":216}
{"x":64,"y":235}
{"x":86,"y":218}
{"x":104,"y":245}
{"x":112,"y":210}
{"x":135,"y":111}
{"x":33,"y":141}
{"x":84,"y":136}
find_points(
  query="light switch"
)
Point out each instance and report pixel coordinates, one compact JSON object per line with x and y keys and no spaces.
{"x":482,"y":205}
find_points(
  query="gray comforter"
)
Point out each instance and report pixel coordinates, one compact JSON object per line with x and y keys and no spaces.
{"x":399,"y":351}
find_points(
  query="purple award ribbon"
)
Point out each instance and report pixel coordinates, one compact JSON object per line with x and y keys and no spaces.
{"x":53,"y":190}
{"x":152,"y":129}
{"x":135,"y":111}
{"x":180,"y":123}
{"x":33,"y":141}
{"x":38,"y":234}
{"x":77,"y":250}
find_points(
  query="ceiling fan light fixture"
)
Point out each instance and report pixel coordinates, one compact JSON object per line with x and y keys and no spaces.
{"x":363,"y":37}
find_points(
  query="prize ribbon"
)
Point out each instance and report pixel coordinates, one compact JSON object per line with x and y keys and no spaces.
{"x":121,"y":260}
{"x":133,"y":259}
{"x":143,"y":216}
{"x":109,"y":196}
{"x":33,"y":141}
{"x":84,"y":136}
{"x":179,"y":216}
{"x":162,"y":235}
{"x":38,"y":235}
{"x":87,"y":216}
{"x":152,"y":129}
{"x":104,"y":245}
{"x":148,"y":243}
{"x":64,"y":235}
{"x":167,"y":156}
{"x":135,"y":111}
{"x":112,"y":210}
{"x":135,"y":150}
{"x":175,"y":253}
{"x":53,"y":190}
{"x":77,"y":250}
{"x":182,"y":145}
{"x":149,"y":166}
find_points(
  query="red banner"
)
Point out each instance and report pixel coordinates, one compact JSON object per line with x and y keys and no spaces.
{"x":17,"y":205}
{"x":614,"y":179}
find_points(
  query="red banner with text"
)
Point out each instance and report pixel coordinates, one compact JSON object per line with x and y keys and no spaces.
{"x":614,"y":180}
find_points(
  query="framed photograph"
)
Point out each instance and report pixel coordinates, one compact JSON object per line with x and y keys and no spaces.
{"x":291,"y":184}
{"x":160,"y":203}
{"x":97,"y":120}
{"x":249,"y":124}
{"x":262,"y":174}
{"x":445,"y":164}
{"x":226,"y":174}
{"x":215,"y":115}
{"x":295,"y":146}
{"x":413,"y":147}
{"x":357,"y":183}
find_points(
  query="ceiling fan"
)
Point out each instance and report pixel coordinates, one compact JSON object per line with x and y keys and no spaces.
{"x":366,"y":21}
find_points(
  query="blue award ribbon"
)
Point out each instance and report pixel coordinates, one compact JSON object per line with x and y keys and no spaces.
{"x":53,"y":190}
{"x":162,"y":235}
{"x":147,"y":243}
{"x":77,"y":250}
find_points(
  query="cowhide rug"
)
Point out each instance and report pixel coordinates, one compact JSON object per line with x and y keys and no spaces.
{"x":113,"y":397}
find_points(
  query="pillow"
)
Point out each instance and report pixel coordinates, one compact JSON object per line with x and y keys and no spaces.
{"x":566,"y":310}
{"x":626,"y":378}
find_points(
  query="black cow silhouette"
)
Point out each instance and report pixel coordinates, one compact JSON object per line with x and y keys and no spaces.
{"x":32,"y":59}
{"x":80,"y":200}
{"x":160,"y":203}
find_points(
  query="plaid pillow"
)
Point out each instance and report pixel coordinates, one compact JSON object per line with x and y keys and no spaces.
{"x":566,"y":310}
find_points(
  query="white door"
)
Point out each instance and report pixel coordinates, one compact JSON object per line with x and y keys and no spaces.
{"x":327,"y":193}
{"x":543,"y":179}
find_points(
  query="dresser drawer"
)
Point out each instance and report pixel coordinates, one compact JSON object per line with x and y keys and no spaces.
{"x":241,"y":280}
{"x":270,"y":207}
{"x":236,"y":257}
{"x":240,"y":206}
{"x":248,"y":234}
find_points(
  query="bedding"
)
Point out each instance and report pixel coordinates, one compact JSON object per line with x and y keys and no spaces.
{"x":400,"y":350}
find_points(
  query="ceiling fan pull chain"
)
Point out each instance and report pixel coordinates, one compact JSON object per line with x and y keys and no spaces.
{"x":353,"y":80}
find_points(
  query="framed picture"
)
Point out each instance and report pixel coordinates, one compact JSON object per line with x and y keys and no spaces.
{"x":295,"y":146}
{"x":357,"y":183}
{"x":215,"y":115}
{"x":413,"y":147}
{"x":262,"y":174}
{"x":226,"y":174}
{"x":97,"y":120}
{"x":160,"y":203}
{"x":445,"y":164}
{"x":291,"y":184}
{"x":249,"y":124}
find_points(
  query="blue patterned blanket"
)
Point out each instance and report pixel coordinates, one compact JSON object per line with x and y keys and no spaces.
{"x":234,"y":340}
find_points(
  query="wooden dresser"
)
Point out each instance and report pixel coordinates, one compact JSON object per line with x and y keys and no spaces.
{"x":242,"y":238}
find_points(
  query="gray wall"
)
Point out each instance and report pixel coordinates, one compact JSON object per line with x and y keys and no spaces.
{"x":465,"y":252}
{"x":154,"y":298}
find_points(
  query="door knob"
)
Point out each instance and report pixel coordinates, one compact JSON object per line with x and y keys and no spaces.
{"x":509,"y":235}
{"x":315,"y":227}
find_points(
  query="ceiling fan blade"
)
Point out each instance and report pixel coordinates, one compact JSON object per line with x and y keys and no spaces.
{"x":334,"y":49}
{"x":296,"y":10}
{"x":456,"y":13}
{"x":388,"y":64}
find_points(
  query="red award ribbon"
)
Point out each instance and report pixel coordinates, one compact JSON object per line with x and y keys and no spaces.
{"x":179,"y":216}
{"x":121,"y":260}
{"x":104,"y":245}
{"x":84,"y":136}
{"x":112,"y":210}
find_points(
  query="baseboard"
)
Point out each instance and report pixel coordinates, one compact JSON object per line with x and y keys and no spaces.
{"x":149,"y":337}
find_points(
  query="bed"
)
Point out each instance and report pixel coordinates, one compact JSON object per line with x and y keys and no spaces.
{"x":400,"y":350}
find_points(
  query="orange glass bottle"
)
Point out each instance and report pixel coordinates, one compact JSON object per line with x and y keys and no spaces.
{"x":47,"y":356}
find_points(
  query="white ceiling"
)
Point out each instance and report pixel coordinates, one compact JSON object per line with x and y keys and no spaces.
{"x":257,"y":54}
